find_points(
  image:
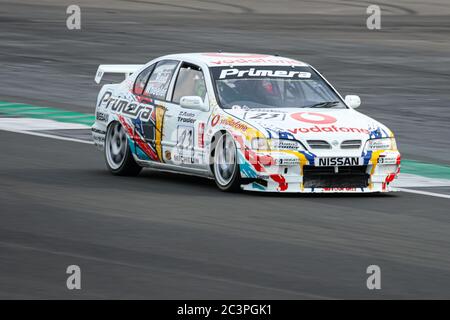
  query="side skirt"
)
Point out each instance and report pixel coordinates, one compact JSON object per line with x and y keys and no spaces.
{"x":165,"y":167}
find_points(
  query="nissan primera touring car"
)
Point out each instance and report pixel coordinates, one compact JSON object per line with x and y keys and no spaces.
{"x":249,"y":121}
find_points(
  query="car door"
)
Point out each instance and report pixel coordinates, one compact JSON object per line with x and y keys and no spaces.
{"x":185,"y":144}
{"x":157,"y":83}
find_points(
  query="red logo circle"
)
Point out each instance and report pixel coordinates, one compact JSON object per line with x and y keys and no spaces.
{"x":313,"y":117}
{"x":215,"y":120}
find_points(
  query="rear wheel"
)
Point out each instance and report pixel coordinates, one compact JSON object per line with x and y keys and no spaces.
{"x":118,"y":156}
{"x":225,"y":166}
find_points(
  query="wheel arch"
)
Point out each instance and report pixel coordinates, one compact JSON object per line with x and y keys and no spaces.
{"x":211,"y":150}
{"x":213,"y":139}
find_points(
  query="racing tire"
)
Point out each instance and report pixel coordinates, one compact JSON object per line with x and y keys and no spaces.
{"x":118,"y":156}
{"x":225,"y":166}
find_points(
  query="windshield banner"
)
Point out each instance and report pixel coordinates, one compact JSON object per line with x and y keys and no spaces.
{"x":263,"y":72}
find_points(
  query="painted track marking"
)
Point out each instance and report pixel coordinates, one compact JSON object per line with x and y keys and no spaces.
{"x":425,"y":193}
{"x":407,"y":180}
{"x":34,"y":125}
{"x":46,"y":135}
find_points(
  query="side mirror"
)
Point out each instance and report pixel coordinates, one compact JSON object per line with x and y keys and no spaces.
{"x":193,"y":102}
{"x":353,"y":101}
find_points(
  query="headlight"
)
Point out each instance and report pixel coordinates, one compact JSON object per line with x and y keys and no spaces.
{"x":275,"y":144}
{"x":381,"y":144}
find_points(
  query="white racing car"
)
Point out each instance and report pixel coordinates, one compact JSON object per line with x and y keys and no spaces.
{"x":249,"y":121}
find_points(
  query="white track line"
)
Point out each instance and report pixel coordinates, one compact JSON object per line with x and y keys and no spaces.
{"x":407,"y":180}
{"x":425,"y":193}
{"x":32,"y":125}
{"x":45,"y":135}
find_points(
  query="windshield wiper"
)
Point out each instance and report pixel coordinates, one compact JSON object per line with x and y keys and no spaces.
{"x":327,"y":104}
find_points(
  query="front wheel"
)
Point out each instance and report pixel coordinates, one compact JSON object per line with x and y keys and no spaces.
{"x":225,"y":166}
{"x":118,"y":156}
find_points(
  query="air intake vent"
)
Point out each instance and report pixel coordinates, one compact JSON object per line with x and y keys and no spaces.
{"x":319,"y":144}
{"x":351,"y":144}
{"x":326,"y":177}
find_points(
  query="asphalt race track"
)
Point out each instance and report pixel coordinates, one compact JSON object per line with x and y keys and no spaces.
{"x":164,"y":236}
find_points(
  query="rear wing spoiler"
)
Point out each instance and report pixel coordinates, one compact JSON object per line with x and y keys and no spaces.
{"x":126,"y":69}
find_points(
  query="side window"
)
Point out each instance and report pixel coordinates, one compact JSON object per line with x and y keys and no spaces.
{"x":190,"y":82}
{"x":141,"y":80}
{"x":159,"y":81}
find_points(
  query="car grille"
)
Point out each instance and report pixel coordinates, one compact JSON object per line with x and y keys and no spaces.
{"x":322,"y":144}
{"x":318,"y":144}
{"x":351,"y":144}
{"x":326,"y":177}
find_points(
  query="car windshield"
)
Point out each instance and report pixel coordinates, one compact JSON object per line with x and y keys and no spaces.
{"x":273,"y":87}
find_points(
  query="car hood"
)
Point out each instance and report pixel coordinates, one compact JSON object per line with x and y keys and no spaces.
{"x":303,"y":124}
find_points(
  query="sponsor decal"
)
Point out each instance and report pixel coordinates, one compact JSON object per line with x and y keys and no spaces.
{"x":264,"y":116}
{"x":328,"y":129}
{"x":201,"y":135}
{"x":234,"y":124}
{"x":168,"y":155}
{"x":269,"y":110}
{"x":185,"y":137}
{"x":284,"y":144}
{"x":226,"y":59}
{"x":313,"y":117}
{"x":287,"y":161}
{"x":101,"y":116}
{"x":337,"y":161}
{"x":383,"y":160}
{"x":339,"y":189}
{"x":389,"y":159}
{"x":159,"y":114}
{"x":215,"y":120}
{"x":185,"y":159}
{"x":159,"y":81}
{"x":98,"y":131}
{"x":130,"y":109}
{"x":139,"y":139}
{"x":98,"y":139}
{"x":263,"y":73}
{"x":377,"y":133}
{"x":186,"y":117}
{"x":151,"y":131}
{"x":279,"y":133}
{"x":235,"y":55}
{"x":185,"y":146}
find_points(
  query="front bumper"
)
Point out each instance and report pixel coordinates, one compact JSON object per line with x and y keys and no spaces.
{"x":295,"y":172}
